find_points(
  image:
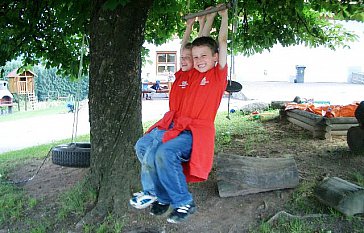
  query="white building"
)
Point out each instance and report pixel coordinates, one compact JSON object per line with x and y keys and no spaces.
{"x":163,"y":60}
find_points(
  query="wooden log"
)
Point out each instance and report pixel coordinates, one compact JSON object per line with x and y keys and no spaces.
{"x":241,"y":175}
{"x":341,"y":195}
{"x":339,"y":132}
{"x":336,"y":127}
{"x":309,"y":121}
{"x":340,"y":120}
{"x":207,"y":11}
{"x":302,"y":124}
{"x":306,"y":114}
{"x":317,"y":130}
{"x":355,"y":139}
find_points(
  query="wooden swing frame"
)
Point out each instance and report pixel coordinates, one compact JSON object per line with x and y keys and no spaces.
{"x":207,"y":11}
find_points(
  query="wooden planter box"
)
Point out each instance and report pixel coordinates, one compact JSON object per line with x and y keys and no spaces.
{"x":321,"y":127}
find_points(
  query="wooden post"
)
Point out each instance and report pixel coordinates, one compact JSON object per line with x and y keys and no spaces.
{"x":341,"y":195}
{"x":241,"y":175}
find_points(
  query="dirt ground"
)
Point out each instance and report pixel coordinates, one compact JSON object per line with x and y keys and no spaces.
{"x":315,"y":159}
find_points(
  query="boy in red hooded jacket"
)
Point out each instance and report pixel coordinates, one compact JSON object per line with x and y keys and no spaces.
{"x":182,"y":158}
{"x":147,"y":145}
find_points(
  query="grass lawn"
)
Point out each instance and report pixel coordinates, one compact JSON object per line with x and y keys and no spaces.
{"x":49,"y":108}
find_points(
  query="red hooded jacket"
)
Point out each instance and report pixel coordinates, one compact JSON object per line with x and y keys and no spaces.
{"x":197,"y":113}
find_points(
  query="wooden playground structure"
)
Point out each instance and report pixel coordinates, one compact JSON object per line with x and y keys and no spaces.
{"x":21,"y":85}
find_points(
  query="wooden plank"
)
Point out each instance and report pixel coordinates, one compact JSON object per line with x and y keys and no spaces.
{"x":207,"y":11}
{"x":341,"y":120}
{"x":341,"y":195}
{"x":309,"y":121}
{"x":302,"y":124}
{"x":339,"y":132}
{"x":337,"y":127}
{"x":317,"y":130}
{"x":306,"y":114}
{"x":241,"y":175}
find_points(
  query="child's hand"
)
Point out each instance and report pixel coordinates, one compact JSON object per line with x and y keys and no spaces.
{"x":201,"y":19}
{"x":223,"y":13}
{"x":211,"y":15}
{"x":190,"y":22}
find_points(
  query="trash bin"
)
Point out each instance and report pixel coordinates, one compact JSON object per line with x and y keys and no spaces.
{"x":300,"y":74}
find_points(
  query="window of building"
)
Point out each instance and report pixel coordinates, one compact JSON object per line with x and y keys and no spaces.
{"x":166,"y":62}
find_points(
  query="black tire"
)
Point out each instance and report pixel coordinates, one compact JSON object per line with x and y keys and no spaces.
{"x":233,"y":86}
{"x":355,"y":139}
{"x":72,"y":154}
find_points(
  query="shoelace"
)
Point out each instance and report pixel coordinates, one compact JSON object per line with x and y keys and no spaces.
{"x":140,"y":193}
{"x":184,"y":209}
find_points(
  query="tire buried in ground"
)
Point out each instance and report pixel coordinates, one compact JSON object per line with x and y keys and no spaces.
{"x":72,"y":154}
{"x":355,"y":139}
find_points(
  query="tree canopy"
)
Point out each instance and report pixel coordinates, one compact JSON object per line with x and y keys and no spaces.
{"x":51,"y":31}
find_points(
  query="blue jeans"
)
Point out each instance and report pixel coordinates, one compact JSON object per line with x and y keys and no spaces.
{"x":162,"y":171}
{"x":145,"y":149}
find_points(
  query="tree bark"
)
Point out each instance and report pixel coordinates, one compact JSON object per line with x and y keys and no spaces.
{"x":116,"y":40}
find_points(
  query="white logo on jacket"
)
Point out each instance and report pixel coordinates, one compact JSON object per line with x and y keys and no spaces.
{"x":204,"y":82}
{"x":184,"y":84}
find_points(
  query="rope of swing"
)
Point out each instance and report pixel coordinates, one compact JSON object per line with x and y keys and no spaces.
{"x":232,"y":57}
{"x":77,"y":97}
{"x":233,"y":31}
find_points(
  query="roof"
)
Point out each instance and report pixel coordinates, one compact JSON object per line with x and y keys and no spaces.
{"x":14,"y":73}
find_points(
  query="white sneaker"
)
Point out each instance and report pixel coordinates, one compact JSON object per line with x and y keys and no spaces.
{"x":141,"y":200}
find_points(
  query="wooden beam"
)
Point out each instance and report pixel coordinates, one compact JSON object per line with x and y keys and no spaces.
{"x":337,"y":127}
{"x":341,"y":120}
{"x":341,"y":195}
{"x":307,"y":114}
{"x":317,"y":131}
{"x":241,"y":175}
{"x":207,"y":11}
{"x":307,"y":120}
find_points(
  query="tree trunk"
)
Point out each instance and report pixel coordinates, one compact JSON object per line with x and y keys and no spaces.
{"x":116,"y":40}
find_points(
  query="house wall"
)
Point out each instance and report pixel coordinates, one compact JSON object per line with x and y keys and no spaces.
{"x":151,"y":67}
{"x":279,"y":64}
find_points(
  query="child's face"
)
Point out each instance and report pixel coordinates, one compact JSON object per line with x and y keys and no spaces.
{"x":203,"y":58}
{"x":186,"y":60}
